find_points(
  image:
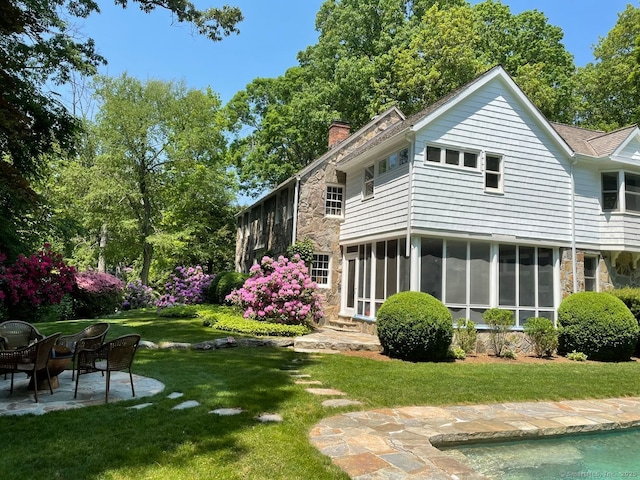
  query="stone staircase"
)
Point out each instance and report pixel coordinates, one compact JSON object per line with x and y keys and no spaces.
{"x":343,"y":324}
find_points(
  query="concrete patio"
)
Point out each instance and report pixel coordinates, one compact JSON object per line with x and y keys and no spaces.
{"x":91,"y":391}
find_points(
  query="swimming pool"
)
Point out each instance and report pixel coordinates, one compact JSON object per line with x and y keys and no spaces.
{"x":611,"y":454}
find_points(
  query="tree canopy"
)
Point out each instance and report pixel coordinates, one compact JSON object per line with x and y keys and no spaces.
{"x":374,"y":53}
{"x":38,"y":51}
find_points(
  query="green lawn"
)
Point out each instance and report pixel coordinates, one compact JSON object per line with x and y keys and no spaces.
{"x":112,"y":442}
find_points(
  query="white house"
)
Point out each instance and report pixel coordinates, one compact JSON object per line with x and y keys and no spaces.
{"x":478,"y":200}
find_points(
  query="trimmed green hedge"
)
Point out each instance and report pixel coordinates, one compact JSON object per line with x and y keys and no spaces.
{"x":234,"y":323}
{"x":631,"y":298}
{"x":178,"y":311}
{"x":597,"y":324}
{"x":414,"y":326}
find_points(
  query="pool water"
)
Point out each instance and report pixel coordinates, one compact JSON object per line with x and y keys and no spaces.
{"x":611,"y":454}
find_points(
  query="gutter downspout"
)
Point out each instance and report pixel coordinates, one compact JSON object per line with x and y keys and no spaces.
{"x":574,"y":260}
{"x":296,"y":197}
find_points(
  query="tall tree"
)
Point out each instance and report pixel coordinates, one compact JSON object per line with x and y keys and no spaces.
{"x":38,"y":50}
{"x":609,"y":91}
{"x":157,"y":142}
{"x":375,"y":53}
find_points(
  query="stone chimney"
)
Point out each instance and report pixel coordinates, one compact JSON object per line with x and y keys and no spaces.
{"x":338,"y":131}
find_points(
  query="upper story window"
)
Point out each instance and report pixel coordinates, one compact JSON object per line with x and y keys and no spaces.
{"x":369,"y":182}
{"x":452,"y":156}
{"x":632,"y":192}
{"x":320,"y":269}
{"x":613,"y":192}
{"x":610,"y":191}
{"x":494,"y":173}
{"x":334,"y":197}
{"x":393,"y":161}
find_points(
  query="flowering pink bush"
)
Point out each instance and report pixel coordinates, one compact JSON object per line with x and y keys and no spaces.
{"x":41,"y":279}
{"x":185,"y":287}
{"x":97,"y":294}
{"x":279,"y":291}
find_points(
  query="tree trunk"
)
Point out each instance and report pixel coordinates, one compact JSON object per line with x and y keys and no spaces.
{"x":102,"y":245}
{"x":146,"y":231}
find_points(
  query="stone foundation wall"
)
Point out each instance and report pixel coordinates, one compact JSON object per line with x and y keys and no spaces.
{"x":606,"y":281}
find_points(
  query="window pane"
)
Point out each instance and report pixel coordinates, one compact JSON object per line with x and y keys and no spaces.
{"x":632,"y":202}
{"x":527,"y":278}
{"x":433,"y":154}
{"x":609,"y":191}
{"x":470,"y":160}
{"x":393,"y":161}
{"x":632,"y":183}
{"x":610,"y":181}
{"x":405,"y":267}
{"x":351,"y":282}
{"x":392,"y":267}
{"x":458,"y":313}
{"x":404,"y":156}
{"x":382,"y":166}
{"x":320,"y":269}
{"x":493,"y":180}
{"x":507,"y":275}
{"x":431,"y":271}
{"x":475,"y":315}
{"x":452,"y":157}
{"x":480,"y":273}
{"x":380,"y":270}
{"x":590,"y":273}
{"x":456,"y":272}
{"x":545,"y":277}
{"x":525,"y":315}
{"x":493,"y":164}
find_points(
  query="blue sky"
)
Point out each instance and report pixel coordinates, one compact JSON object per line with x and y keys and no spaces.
{"x":151,"y":46}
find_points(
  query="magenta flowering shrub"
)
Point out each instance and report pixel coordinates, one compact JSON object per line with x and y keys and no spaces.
{"x":96,"y":294}
{"x":187,"y":286}
{"x":137,"y":295}
{"x":279,"y":291}
{"x":39,"y":280}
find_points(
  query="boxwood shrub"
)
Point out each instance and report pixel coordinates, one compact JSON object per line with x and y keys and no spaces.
{"x":597,"y":324}
{"x":222,"y":285}
{"x":631,"y":298}
{"x":414,"y":326}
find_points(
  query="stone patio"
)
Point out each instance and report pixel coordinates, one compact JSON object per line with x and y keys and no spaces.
{"x":399,"y":443}
{"x":91,"y":391}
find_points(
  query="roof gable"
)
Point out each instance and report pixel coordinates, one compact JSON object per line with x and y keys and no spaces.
{"x":629,"y":148}
{"x":496,"y":74}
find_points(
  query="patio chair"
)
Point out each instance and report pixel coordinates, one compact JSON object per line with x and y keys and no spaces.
{"x":89,"y":338}
{"x":112,"y":356}
{"x":17,"y":334}
{"x":29,"y":360}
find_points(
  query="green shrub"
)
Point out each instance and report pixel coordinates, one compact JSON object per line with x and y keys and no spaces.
{"x":228,"y":282}
{"x":577,"y":356}
{"x":178,"y":311}
{"x":233,"y":323}
{"x":542,"y":335}
{"x":597,"y":324}
{"x":500,"y":321}
{"x":303,"y":248}
{"x":457,"y":352}
{"x":466,"y":336}
{"x":210,"y":295}
{"x":631,"y":298}
{"x":414,"y":326}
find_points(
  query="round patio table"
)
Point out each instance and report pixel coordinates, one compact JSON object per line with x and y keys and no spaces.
{"x":59,"y":361}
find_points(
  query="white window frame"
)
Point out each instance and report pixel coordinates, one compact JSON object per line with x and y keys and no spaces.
{"x":368,"y":180}
{"x":617,"y":191}
{"x":499,"y":173}
{"x":627,"y":192}
{"x":323,"y":271}
{"x":595,"y":275}
{"x":445,"y":154}
{"x":332,"y":204}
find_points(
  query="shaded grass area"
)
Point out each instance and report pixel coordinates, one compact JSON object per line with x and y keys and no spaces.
{"x":113,"y":442}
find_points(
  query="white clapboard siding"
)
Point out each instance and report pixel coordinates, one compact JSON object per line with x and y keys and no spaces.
{"x":536,"y":203}
{"x":385,"y":212}
{"x":631,"y":151}
{"x":587,"y":202}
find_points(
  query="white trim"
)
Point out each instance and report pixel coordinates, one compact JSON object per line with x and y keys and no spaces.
{"x":635,"y":134}
{"x":342,"y":200}
{"x":326,"y":285}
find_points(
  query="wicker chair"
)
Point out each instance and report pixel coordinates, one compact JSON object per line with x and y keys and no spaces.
{"x":89,"y":338}
{"x":116,"y":355}
{"x":29,"y":360}
{"x":16,"y":334}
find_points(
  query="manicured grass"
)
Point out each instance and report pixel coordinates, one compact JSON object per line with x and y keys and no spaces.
{"x":113,"y":442}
